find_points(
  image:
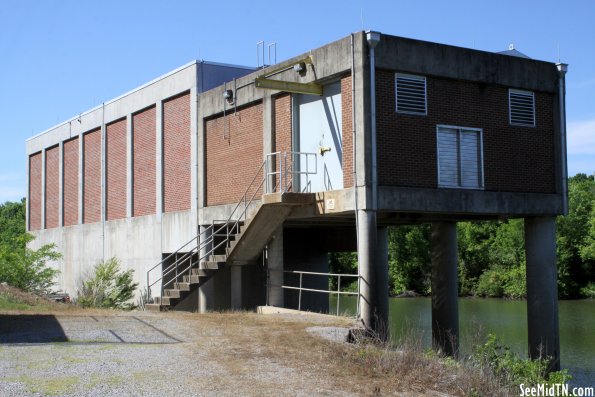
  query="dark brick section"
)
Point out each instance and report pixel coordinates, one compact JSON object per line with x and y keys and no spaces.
{"x":176,"y":154}
{"x":347,"y":131}
{"x":71,"y":182}
{"x":35,"y":191}
{"x":233,"y":154}
{"x":116,"y":170}
{"x":283,"y":128}
{"x":516,"y":159}
{"x":144,"y":162}
{"x":92,"y":177}
{"x":52,"y":187}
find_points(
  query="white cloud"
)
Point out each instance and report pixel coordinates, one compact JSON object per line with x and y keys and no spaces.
{"x":581,"y":138}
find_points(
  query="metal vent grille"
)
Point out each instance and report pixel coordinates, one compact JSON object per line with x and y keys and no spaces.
{"x":522,"y":108}
{"x":411,"y":94}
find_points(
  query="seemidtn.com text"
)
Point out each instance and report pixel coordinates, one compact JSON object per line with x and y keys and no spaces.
{"x":555,"y":390}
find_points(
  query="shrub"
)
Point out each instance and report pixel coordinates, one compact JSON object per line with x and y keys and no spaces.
{"x":506,"y":365}
{"x":108,"y":287}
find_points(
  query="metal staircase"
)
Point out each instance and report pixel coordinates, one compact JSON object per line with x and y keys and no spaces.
{"x":267,"y":201}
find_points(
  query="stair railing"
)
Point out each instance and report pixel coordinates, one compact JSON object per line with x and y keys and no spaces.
{"x":205,"y":243}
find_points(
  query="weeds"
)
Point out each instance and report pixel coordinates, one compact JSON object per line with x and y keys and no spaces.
{"x":108,"y":287}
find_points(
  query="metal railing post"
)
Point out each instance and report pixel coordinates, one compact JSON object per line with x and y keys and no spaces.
{"x":300,"y":296}
{"x":281,"y":175}
{"x":338,"y":294}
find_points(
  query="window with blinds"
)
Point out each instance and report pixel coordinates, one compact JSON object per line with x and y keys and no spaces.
{"x":460,"y":157}
{"x":411,"y":94}
{"x":521,"y":105}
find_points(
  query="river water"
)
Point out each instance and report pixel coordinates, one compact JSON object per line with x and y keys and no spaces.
{"x":505,"y":318}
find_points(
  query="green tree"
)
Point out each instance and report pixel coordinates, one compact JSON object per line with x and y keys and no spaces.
{"x":409,"y":263}
{"x":575,"y":265}
{"x":20,"y":266}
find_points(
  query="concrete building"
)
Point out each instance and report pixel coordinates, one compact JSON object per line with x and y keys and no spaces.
{"x":214,"y":182}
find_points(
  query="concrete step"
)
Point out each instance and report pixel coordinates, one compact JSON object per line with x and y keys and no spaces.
{"x":211,"y":265}
{"x":182,"y":286}
{"x":198,"y":272}
{"x":168,"y":301}
{"x":217,"y":258}
{"x":154,"y":307}
{"x":171,"y":293}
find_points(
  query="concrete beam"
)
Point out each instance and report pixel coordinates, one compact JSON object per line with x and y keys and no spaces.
{"x":542,"y":290}
{"x":445,"y":308}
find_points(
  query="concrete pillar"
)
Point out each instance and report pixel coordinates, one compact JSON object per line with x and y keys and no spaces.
{"x":236,"y":287}
{"x":382,"y":280}
{"x":206,"y":291}
{"x":445,"y":309}
{"x":366,"y":258}
{"x":542,"y":289}
{"x":275,"y":270}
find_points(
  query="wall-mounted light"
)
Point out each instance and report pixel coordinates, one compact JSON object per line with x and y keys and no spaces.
{"x":228,"y":96}
{"x":299,"y":67}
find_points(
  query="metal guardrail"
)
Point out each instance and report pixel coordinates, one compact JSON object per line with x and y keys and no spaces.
{"x":204,"y":244}
{"x":338,"y":292}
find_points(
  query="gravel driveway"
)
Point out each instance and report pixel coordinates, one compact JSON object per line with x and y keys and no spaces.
{"x":159,"y":354}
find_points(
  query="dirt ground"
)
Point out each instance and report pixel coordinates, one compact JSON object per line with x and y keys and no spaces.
{"x":102,"y":353}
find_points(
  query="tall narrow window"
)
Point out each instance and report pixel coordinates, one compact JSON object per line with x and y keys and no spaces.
{"x":411,"y":94}
{"x":460,"y":162}
{"x":521,"y":106}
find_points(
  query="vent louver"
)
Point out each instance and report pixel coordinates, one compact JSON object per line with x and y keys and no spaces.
{"x":411,"y":94}
{"x":522,"y":108}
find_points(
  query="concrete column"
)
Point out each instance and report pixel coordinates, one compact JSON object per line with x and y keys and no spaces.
{"x":382,"y":280}
{"x":206,"y":291}
{"x":236,"y":287}
{"x":275,"y":268}
{"x":542,"y":289}
{"x":445,"y":309}
{"x":367,"y":260}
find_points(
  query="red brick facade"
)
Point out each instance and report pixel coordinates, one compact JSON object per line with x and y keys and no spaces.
{"x":347,"y":131}
{"x":92,"y":177}
{"x":144,"y":162}
{"x":35,"y":191}
{"x":71,"y":182}
{"x":176,"y":154}
{"x":516,"y":159}
{"x":52,"y":187}
{"x":282,"y":131}
{"x":233,"y":154}
{"x":116,"y":170}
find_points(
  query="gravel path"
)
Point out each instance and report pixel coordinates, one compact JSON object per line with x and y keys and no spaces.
{"x":155,"y":354}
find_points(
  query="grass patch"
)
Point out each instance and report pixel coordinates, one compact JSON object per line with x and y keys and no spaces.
{"x":55,"y":386}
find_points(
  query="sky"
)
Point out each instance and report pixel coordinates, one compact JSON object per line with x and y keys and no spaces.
{"x":60,"y":58}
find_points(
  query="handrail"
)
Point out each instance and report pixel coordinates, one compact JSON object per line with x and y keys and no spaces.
{"x":338,"y":292}
{"x":231,"y":226}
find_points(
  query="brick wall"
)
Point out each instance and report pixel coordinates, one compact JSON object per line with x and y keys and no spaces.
{"x":347,"y":131}
{"x":52,"y":187}
{"x":233,"y":160}
{"x":92,"y":177}
{"x":282,"y":105}
{"x":516,"y":159}
{"x":71,"y":182}
{"x":116,"y":170}
{"x":35,"y":191}
{"x":144,"y":157}
{"x":176,"y":154}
